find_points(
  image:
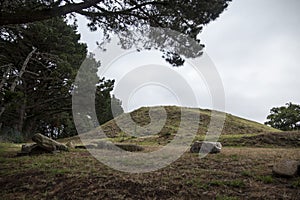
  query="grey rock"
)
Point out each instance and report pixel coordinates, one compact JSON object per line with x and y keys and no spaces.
{"x":48,"y":144}
{"x":43,"y":145}
{"x":70,"y":144}
{"x":27,"y":148}
{"x":87,"y":146}
{"x":32,"y":149}
{"x":286,"y":168}
{"x":206,"y":147}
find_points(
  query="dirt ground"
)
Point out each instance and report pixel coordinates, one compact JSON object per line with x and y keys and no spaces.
{"x":235,"y":173}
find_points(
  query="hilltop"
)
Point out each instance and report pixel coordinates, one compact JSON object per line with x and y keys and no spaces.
{"x":234,"y":127}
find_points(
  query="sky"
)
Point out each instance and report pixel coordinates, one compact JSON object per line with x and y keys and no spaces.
{"x":255,"y":47}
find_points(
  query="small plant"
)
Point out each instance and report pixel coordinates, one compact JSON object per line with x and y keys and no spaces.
{"x":226,"y":198}
{"x":12,"y":136}
{"x":296,"y":183}
{"x":265,"y":179}
{"x":197,"y":183}
{"x":216,"y":183}
{"x":59,"y":171}
{"x":247,"y":173}
{"x":121,"y":137}
{"x":165,"y":134}
{"x":235,"y":183}
{"x":234,"y":157}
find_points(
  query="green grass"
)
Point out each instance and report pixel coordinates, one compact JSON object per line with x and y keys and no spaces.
{"x":197,"y":183}
{"x":59,"y":171}
{"x":213,"y":183}
{"x":221,"y":197}
{"x":239,"y":125}
{"x":79,"y":173}
{"x":6,"y":148}
{"x":233,"y":183}
{"x":223,"y":137}
{"x":265,"y":179}
{"x":296,"y":183}
{"x":247,"y":173}
{"x":234,"y":157}
{"x":218,"y":172}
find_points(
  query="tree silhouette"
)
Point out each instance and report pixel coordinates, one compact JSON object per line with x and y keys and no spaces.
{"x":285,"y":118}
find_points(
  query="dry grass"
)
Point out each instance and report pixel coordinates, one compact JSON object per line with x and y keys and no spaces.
{"x":235,"y":173}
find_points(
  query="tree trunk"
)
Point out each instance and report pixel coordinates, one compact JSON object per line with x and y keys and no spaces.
{"x":22,"y":116}
{"x":15,"y":82}
{"x":23,"y":70}
{"x":29,"y":128}
{"x":4,"y":77}
{"x":2,"y":83}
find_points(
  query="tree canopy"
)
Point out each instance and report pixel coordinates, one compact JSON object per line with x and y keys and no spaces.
{"x":39,"y":62}
{"x":121,"y":17}
{"x":184,"y":16}
{"x":285,"y":118}
{"x":41,"y":54}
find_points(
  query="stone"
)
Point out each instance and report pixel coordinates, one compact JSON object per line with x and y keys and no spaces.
{"x":130,"y":147}
{"x":87,"y":146}
{"x":286,"y":168}
{"x":103,"y":144}
{"x":80,"y":147}
{"x":206,"y":147}
{"x":111,"y":146}
{"x":27,"y":148}
{"x":48,"y":144}
{"x":70,"y":144}
{"x":32,"y":149}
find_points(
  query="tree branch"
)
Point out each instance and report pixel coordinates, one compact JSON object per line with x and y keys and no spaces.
{"x":22,"y":16}
{"x":4,"y":78}
{"x":27,"y":16}
{"x":23,"y":70}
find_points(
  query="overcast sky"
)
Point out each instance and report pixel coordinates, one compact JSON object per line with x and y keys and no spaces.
{"x":255,"y":46}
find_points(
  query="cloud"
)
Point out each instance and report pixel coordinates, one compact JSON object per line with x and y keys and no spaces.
{"x":255,"y":46}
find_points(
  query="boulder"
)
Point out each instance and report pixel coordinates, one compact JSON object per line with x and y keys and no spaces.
{"x":286,"y":168}
{"x":110,"y":146}
{"x":27,"y":148}
{"x":70,"y":144}
{"x":48,"y":144}
{"x":32,"y":149}
{"x":206,"y":147}
{"x":80,"y":147}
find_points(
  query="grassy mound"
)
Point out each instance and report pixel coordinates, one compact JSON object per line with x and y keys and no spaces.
{"x":195,"y":119}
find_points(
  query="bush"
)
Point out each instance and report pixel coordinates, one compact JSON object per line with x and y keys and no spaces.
{"x":11,"y":135}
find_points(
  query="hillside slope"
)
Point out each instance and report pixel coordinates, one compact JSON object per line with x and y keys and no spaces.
{"x":153,"y":134}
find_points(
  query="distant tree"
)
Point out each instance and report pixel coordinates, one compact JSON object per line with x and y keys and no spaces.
{"x":90,"y":88}
{"x":104,"y":102}
{"x":285,"y":118}
{"x":114,"y":16}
